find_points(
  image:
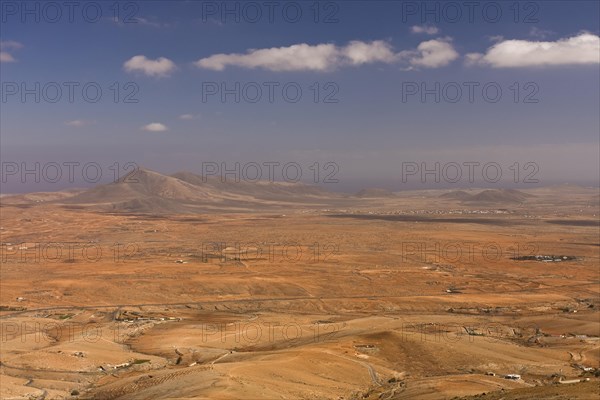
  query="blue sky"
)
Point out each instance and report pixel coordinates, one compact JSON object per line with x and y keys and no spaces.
{"x":367,"y":55}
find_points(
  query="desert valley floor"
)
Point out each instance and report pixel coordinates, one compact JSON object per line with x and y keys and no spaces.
{"x":415,"y":295}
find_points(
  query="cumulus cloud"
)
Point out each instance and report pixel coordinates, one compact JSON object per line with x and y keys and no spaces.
{"x":431,"y":54}
{"x":297,"y":57}
{"x":358,"y":53}
{"x":329,"y":57}
{"x":78,"y":123}
{"x":160,"y":67}
{"x":583,"y":49}
{"x":427,"y":29}
{"x":6,"y":49}
{"x":539,"y":33}
{"x":155,"y":127}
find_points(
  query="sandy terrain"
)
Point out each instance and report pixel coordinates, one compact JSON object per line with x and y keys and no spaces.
{"x":408,"y":296}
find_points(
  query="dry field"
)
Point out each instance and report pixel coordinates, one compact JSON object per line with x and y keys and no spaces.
{"x":392,"y":298}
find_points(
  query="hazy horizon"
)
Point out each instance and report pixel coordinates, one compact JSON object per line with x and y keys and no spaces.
{"x":344,"y":186}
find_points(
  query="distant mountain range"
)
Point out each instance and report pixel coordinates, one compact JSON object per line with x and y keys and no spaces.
{"x":145,"y":191}
{"x":375,"y":193}
{"x":497,"y":196}
{"x":184,"y":192}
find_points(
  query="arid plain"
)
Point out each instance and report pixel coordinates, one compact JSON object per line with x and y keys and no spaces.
{"x":170,"y":287}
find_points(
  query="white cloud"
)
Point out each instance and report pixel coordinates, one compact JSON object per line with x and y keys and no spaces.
{"x":6,"y":48}
{"x":155,"y":127}
{"x":78,"y":123}
{"x":358,"y":53}
{"x":427,"y":29}
{"x":539,"y":33}
{"x":160,"y":67}
{"x":583,"y":49}
{"x":189,"y":116}
{"x":145,"y":21}
{"x":293,"y":58}
{"x":6,"y":57}
{"x":473,"y":58}
{"x":433,"y":53}
{"x":10,"y":45}
{"x":329,"y":57}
